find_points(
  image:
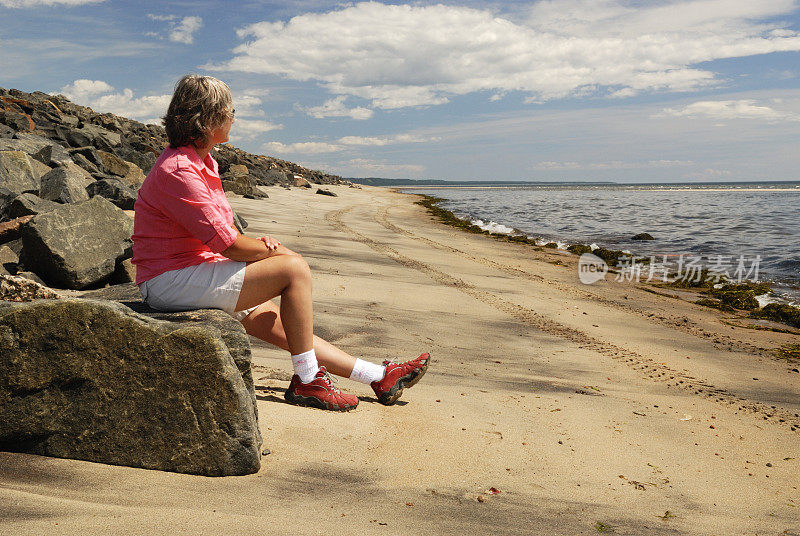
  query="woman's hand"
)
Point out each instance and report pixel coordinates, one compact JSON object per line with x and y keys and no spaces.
{"x":253,"y":249}
{"x":270,"y":242}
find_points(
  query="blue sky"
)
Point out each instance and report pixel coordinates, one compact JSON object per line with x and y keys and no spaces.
{"x":628,"y":91}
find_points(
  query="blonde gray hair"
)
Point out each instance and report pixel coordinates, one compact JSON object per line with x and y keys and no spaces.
{"x":198,"y":106}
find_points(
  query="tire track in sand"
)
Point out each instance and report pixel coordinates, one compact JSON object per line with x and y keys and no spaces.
{"x":651,"y":369}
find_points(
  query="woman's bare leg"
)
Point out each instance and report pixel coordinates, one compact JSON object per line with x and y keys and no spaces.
{"x":289,"y":277}
{"x":265,"y":323}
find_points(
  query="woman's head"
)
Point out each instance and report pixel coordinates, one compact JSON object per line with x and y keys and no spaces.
{"x":199,"y":105}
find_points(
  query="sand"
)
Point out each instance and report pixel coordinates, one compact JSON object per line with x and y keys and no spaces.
{"x":602,"y":408}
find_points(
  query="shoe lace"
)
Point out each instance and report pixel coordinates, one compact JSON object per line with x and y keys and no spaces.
{"x":330,"y":380}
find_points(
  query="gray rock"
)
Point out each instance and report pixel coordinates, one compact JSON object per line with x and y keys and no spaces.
{"x":125,"y":272}
{"x":28,"y":204}
{"x":6,"y":196}
{"x":52,"y":155}
{"x":231,"y":331}
{"x":143,"y":160}
{"x":128,"y":171}
{"x":39,"y":169}
{"x":275,"y":176}
{"x":301,"y":182}
{"x":642,"y":236}
{"x":240,"y":184}
{"x":322,"y":191}
{"x":77,"y":245}
{"x":238,"y":170}
{"x":102,"y":138}
{"x":85,"y":163}
{"x":45,"y":151}
{"x":91,"y":155}
{"x":64,"y":185}
{"x":16,"y":173}
{"x":15,"y":245}
{"x":166,"y":395}
{"x":8,"y":261}
{"x":31,"y":276}
{"x":115,"y":191}
{"x":95,"y":136}
{"x":113,"y":164}
{"x":15,"y":120}
{"x":76,"y":138}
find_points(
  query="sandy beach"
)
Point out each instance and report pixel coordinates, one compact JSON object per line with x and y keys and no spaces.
{"x":610,"y":408}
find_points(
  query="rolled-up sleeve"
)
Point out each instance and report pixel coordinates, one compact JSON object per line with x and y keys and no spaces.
{"x":187,"y":200}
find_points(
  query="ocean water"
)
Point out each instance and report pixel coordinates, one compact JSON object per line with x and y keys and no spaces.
{"x":727,"y":226}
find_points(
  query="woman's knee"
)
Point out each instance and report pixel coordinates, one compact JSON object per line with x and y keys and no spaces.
{"x":297,"y":268}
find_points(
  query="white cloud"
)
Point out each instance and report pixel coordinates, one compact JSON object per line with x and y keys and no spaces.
{"x":83,"y":88}
{"x":732,"y":109}
{"x":249,"y":129}
{"x":615,"y":164}
{"x":247,"y":105}
{"x":37,"y":3}
{"x":161,"y":17}
{"x":380,"y":141}
{"x":364,"y":166}
{"x":412,"y":55}
{"x":257,"y":92}
{"x":184,"y":31}
{"x":343,"y":144}
{"x":179,"y":31}
{"x":335,"y":107}
{"x":100,"y":96}
{"x":306,"y":147}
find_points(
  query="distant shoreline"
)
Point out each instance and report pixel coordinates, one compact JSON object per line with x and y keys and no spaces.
{"x":620,"y":187}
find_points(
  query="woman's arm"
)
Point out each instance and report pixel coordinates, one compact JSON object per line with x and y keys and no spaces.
{"x":248,"y":249}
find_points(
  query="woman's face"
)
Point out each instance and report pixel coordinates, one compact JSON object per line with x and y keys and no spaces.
{"x":222,"y":132}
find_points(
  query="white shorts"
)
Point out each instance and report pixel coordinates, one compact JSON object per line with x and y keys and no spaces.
{"x":210,"y":285}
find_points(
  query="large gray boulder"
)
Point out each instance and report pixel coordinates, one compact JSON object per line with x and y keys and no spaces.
{"x":93,"y":380}
{"x":16,"y":172}
{"x":77,"y":245}
{"x":64,"y":185}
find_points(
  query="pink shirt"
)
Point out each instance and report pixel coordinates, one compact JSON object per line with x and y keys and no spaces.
{"x":182,"y":215}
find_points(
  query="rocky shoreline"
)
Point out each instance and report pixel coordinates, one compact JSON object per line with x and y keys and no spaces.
{"x":87,"y":371}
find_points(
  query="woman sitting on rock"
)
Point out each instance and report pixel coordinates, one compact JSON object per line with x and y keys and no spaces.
{"x":188,"y":255}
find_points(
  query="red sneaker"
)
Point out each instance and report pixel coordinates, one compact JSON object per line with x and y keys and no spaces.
{"x":399,"y":376}
{"x":319,"y":393}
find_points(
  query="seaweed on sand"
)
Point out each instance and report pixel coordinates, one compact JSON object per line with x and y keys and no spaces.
{"x":789,"y":352}
{"x":779,"y":312}
{"x":448,"y":218}
{"x":729,"y":297}
{"x":579,"y":249}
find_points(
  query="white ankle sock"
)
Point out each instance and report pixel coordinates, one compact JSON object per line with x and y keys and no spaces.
{"x":305,"y":365}
{"x":366,"y":372}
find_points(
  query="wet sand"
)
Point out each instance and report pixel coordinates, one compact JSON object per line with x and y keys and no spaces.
{"x":590,"y":408}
